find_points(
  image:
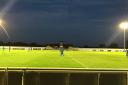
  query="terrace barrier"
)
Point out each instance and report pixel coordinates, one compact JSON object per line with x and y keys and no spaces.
{"x":62,"y":76}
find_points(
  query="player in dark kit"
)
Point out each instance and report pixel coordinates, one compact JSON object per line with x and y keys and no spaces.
{"x":61,"y":49}
{"x":127,"y":52}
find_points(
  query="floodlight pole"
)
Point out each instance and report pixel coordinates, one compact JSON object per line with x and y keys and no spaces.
{"x":124,"y":26}
{"x":124,"y":39}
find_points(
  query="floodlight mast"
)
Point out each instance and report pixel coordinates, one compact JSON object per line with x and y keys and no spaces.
{"x":2,"y":23}
{"x":124,"y":26}
{"x":2,"y":26}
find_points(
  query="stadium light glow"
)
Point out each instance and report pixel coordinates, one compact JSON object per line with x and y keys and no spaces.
{"x":2,"y":25}
{"x":124,"y":26}
{"x":0,"y":22}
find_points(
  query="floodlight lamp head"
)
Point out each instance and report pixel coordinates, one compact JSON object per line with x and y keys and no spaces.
{"x":0,"y":22}
{"x":124,"y":25}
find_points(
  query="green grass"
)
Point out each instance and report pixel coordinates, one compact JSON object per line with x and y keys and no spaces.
{"x":72,"y":59}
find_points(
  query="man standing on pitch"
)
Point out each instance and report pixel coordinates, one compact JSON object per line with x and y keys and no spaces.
{"x":61,"y":49}
{"x":127,"y":52}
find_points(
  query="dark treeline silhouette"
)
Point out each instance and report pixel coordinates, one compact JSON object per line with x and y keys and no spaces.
{"x":102,"y":45}
{"x":19,"y":44}
{"x":112,"y":45}
{"x":127,"y":44}
{"x":33,"y":44}
{"x":55,"y":45}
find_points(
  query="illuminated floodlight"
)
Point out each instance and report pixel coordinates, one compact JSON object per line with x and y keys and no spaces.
{"x":124,"y":25}
{"x":2,"y":25}
{"x":0,"y":22}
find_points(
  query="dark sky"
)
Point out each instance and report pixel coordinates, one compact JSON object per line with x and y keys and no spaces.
{"x":80,"y":22}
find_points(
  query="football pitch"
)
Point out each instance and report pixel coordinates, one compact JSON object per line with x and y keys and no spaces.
{"x":71,"y":59}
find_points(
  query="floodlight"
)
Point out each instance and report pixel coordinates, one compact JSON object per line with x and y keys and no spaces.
{"x":124,"y":25}
{"x":3,"y":27}
{"x":0,"y":22}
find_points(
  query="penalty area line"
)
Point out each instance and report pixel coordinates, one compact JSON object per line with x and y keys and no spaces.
{"x":78,"y":62}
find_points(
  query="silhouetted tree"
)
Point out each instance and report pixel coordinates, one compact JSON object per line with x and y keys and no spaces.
{"x":34,"y":44}
{"x":20,"y":44}
{"x":113,"y":45}
{"x":127,"y":44}
{"x":86,"y":46}
{"x":1,"y":43}
{"x":102,"y":46}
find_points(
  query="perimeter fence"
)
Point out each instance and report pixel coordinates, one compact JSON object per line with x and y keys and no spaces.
{"x":62,"y":76}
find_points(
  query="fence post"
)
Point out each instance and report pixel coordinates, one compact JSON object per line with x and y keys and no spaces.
{"x":38,"y":79}
{"x":127,"y":78}
{"x":68,"y":79}
{"x":23,"y":74}
{"x":98,"y":79}
{"x":6,"y":76}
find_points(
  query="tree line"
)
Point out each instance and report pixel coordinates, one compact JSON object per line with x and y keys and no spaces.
{"x":55,"y":45}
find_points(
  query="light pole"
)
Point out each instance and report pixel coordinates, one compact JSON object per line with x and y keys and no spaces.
{"x":3,"y":27}
{"x":124,"y":26}
{"x":0,"y":26}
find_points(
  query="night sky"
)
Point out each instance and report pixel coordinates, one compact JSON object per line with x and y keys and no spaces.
{"x":81,"y":22}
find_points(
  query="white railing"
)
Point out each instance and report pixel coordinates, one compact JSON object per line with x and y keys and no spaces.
{"x":101,"y":49}
{"x":79,"y":49}
{"x":21,"y":48}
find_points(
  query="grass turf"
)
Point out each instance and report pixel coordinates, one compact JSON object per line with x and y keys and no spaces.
{"x":71,"y":59}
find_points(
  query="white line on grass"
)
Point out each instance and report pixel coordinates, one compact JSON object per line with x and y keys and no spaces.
{"x":75,"y":60}
{"x":78,"y":62}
